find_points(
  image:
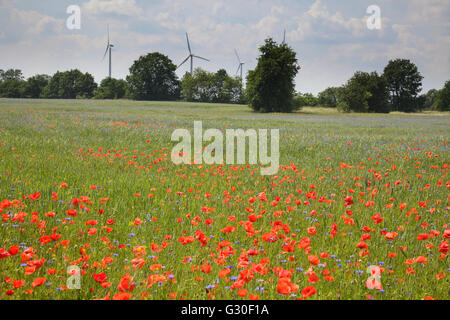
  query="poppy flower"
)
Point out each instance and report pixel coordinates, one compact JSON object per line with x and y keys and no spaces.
{"x":101,"y":277}
{"x":286,"y":287}
{"x":122,"y":296}
{"x":34,"y":196}
{"x":312,"y":231}
{"x":13,"y":250}
{"x":242,"y":292}
{"x":38,"y":282}
{"x":308,"y":292}
{"x":72,"y":212}
{"x":125,"y":283}
{"x":314,"y":260}
{"x":19,"y":283}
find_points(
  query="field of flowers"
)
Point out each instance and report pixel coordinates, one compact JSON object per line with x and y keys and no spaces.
{"x":358,"y":210}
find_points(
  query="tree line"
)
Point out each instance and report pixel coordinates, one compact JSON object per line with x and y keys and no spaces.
{"x":270,"y":86}
{"x":397,"y":89}
{"x":152,"y":77}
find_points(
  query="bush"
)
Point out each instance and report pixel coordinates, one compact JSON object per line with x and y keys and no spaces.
{"x":297,"y":102}
{"x":304,"y":100}
{"x":343,"y":107}
{"x":111,"y":88}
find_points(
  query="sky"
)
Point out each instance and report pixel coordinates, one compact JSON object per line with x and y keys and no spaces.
{"x":331,"y":37}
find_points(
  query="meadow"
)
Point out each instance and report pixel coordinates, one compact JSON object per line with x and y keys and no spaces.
{"x":358,"y":209}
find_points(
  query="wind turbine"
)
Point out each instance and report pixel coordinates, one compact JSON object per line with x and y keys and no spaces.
{"x":109,"y":47}
{"x":284,"y":37}
{"x":191,"y":55}
{"x":240,"y":63}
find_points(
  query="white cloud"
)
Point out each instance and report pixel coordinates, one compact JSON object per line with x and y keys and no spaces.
{"x":430,"y":12}
{"x":26,"y":23}
{"x":319,"y":22}
{"x":269,"y":24}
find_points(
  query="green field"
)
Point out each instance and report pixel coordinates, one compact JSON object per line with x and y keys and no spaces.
{"x":142,"y":228}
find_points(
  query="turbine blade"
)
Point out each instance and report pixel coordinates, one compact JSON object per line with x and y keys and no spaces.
{"x":107,"y":45}
{"x":183,"y":62}
{"x":239,"y":59}
{"x":107,"y":48}
{"x":240,"y":66}
{"x":200,"y":57}
{"x":189,"y":46}
{"x":284,"y":36}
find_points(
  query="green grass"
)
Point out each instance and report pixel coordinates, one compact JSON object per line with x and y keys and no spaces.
{"x":85,"y":143}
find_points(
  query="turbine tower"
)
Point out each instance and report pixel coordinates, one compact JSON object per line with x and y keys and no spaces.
{"x":284,"y":37}
{"x":240,"y":63}
{"x":191,"y":56}
{"x":109,"y":47}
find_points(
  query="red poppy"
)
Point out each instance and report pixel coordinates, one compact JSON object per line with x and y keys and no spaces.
{"x":38,"y":282}
{"x":34,"y":196}
{"x":13,"y":250}
{"x":308,"y":292}
{"x":314,"y":260}
{"x":125,"y":283}
{"x":122,"y":296}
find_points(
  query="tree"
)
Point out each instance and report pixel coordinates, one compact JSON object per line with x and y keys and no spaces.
{"x":35,"y":85}
{"x":232,"y":91}
{"x":225,"y":89}
{"x":427,"y":100}
{"x":188,"y":87}
{"x":302,"y":100}
{"x":198,"y":86}
{"x":11,"y":74}
{"x":364,"y":92}
{"x":12,"y":84}
{"x":443,"y":98}
{"x":404,"y":83}
{"x":204,"y":86}
{"x":12,"y":88}
{"x":152,"y":77}
{"x":354,"y":97}
{"x":270,"y":87}
{"x":70,"y":85}
{"x":377,"y":87}
{"x":111,"y":88}
{"x":328,"y":97}
{"x":219,"y":93}
{"x":310,"y":100}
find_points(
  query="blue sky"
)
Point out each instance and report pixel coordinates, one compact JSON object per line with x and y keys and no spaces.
{"x":331,"y":37}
